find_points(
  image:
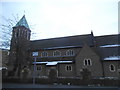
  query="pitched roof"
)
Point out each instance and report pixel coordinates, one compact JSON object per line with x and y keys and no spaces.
{"x":112,"y":58}
{"x":108,"y":46}
{"x":107,"y":52}
{"x":62,"y":42}
{"x":107,"y":39}
{"x":22,"y":22}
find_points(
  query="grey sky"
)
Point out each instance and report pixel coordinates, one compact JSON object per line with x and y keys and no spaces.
{"x":58,"y":18}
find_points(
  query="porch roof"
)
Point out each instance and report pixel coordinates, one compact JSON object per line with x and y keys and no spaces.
{"x":52,"y":62}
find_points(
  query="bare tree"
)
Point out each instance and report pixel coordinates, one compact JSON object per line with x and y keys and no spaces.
{"x":6,"y":30}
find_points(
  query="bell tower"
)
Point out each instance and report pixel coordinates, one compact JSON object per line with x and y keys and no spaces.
{"x":19,"y":47}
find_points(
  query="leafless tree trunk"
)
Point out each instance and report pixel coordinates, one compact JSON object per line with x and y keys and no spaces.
{"x":6,"y":30}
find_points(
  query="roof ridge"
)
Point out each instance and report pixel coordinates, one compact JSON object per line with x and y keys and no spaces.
{"x":60,"y":37}
{"x":107,"y":35}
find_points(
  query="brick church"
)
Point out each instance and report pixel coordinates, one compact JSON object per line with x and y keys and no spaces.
{"x":67,"y":56}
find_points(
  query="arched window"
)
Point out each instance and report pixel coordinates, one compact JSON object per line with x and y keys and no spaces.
{"x":44,"y":54}
{"x":112,"y":68}
{"x":68,"y":68}
{"x":19,"y":31}
{"x":56,"y":53}
{"x":28,"y":35}
{"x":87,"y":62}
{"x":15,"y":35}
{"x":69,"y":52}
{"x":24,"y":33}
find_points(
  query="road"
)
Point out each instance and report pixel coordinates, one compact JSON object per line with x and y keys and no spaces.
{"x":15,"y":85}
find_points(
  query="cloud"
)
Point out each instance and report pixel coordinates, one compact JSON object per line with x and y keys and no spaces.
{"x":56,"y":18}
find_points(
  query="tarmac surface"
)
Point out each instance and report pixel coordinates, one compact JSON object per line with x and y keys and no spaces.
{"x":15,"y":85}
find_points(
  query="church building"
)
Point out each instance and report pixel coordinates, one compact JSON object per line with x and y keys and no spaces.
{"x":67,"y":56}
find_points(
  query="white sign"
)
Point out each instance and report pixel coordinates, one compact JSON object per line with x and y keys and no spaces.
{"x":35,"y":54}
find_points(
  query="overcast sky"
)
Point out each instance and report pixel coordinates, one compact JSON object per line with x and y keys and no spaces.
{"x":58,"y":18}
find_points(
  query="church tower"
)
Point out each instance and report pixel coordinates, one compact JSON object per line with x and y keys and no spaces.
{"x":19,"y":47}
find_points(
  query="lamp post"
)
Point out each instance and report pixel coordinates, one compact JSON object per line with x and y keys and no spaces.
{"x":34,"y":72}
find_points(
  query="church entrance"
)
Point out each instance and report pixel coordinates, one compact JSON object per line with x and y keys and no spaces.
{"x":53,"y":73}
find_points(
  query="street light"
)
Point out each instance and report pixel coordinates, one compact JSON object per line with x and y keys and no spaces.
{"x":34,"y":72}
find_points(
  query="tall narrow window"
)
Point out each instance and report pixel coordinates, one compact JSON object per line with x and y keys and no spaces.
{"x":69,"y":52}
{"x":24,"y":33}
{"x":68,"y":68}
{"x":89,"y":62}
{"x":85,"y":62}
{"x":19,"y":32}
{"x":44,"y":54}
{"x":56,"y":53}
{"x":112,"y":68}
{"x":27,"y":35}
{"x":15,"y":35}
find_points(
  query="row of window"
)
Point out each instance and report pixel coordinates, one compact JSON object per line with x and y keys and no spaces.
{"x":88,"y":62}
{"x":69,"y":68}
{"x":55,"y":53}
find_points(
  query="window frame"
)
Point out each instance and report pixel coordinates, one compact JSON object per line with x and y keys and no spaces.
{"x":113,"y":67}
{"x":68,"y":67}
{"x":44,"y":54}
{"x":39,"y":68}
{"x":70,"y":52}
{"x":55,"y":53}
{"x":87,"y":62}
